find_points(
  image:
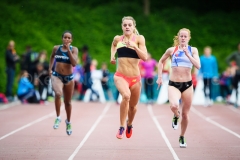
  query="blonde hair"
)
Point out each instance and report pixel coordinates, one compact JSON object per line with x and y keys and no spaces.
{"x":135,"y":31}
{"x":175,"y":38}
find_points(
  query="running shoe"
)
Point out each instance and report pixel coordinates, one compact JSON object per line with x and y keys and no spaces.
{"x":129,"y":131}
{"x":175,"y":122}
{"x":56,"y":123}
{"x":120,"y":133}
{"x":182,"y":142}
{"x":68,"y":128}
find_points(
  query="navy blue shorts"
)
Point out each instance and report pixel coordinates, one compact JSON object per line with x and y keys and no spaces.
{"x":64,"y":79}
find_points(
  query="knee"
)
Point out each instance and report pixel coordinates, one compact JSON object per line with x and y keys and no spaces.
{"x":174,"y":106}
{"x":67,"y":103}
{"x":126,"y":96}
{"x":185,"y":115}
{"x":132,"y":108}
{"x":58,"y":95}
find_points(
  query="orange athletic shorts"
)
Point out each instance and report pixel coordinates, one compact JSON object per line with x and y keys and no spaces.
{"x":131,"y":80}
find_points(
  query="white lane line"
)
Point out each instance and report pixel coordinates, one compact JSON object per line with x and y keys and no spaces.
{"x":162,"y":132}
{"x":9,"y":105}
{"x":213,"y":122}
{"x":90,"y":131}
{"x":29,"y":124}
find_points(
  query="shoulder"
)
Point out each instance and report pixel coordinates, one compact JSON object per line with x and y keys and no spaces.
{"x":140,"y":37}
{"x":74,"y":48}
{"x":117,"y":38}
{"x":170,"y":50}
{"x":194,"y":50}
{"x":56,"y":47}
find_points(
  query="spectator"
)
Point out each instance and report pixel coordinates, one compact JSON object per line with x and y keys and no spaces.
{"x":26,"y":92}
{"x":104,"y":81}
{"x":209,"y":72}
{"x":149,"y":67}
{"x":30,"y":60}
{"x":11,"y":58}
{"x":236,"y":78}
{"x":87,"y":82}
{"x":42,"y":81}
{"x":225,"y":84}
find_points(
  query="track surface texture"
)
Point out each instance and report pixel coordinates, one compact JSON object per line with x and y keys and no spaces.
{"x":27,"y":133}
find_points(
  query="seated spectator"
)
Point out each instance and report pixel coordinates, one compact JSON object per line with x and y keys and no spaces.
{"x":104,"y":82}
{"x":26,"y":92}
{"x":225,"y":84}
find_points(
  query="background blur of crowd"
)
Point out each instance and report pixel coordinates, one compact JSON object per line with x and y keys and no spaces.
{"x":34,"y":85}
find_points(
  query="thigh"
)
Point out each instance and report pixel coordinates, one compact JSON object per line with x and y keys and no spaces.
{"x":135,"y":94}
{"x":174,"y":95}
{"x":68,"y":91}
{"x":187,"y":96}
{"x":122,"y":85}
{"x":57,"y":84}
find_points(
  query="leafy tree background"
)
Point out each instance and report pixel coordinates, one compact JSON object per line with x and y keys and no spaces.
{"x":95,"y":23}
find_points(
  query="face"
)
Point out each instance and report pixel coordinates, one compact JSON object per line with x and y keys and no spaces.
{"x":183,"y":37}
{"x":11,"y":44}
{"x":67,"y":38}
{"x":128,"y":27}
{"x":207,"y":51}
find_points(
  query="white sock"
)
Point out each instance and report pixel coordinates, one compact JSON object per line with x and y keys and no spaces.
{"x":58,"y":117}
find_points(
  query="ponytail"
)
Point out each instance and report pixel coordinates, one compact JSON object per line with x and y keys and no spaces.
{"x":135,"y":31}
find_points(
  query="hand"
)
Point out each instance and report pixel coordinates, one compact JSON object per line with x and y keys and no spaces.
{"x":67,"y":45}
{"x":159,"y":82}
{"x":185,"y":50}
{"x":113,"y":60}
{"x":50,"y":72}
{"x":131,"y":44}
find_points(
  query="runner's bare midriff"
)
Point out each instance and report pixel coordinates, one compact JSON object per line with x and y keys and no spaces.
{"x":181,"y":74}
{"x":63,"y":69}
{"x":128,"y":66}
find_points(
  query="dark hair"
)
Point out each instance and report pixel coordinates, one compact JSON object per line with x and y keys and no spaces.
{"x":67,"y":32}
{"x":85,"y":48}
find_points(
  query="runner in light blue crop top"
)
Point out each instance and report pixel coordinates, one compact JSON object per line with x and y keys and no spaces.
{"x":180,"y":59}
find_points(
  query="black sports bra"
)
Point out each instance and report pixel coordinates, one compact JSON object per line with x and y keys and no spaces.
{"x":124,"y":51}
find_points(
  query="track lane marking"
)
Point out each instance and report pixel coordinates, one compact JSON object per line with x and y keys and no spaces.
{"x":208,"y":119}
{"x":30,"y":124}
{"x":154,"y":118}
{"x":106,"y":108}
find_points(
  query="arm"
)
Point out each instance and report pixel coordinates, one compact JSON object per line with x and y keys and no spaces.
{"x":73,"y":55}
{"x":160,"y":64}
{"x":229,"y":58}
{"x":52,"y":59}
{"x":140,"y":49}
{"x":195,"y":58}
{"x":162,"y":61}
{"x":114,"y":49}
{"x":11,"y":57}
{"x":215,"y":67}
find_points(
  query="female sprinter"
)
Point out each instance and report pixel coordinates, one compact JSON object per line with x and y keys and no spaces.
{"x":180,"y":86}
{"x":130,"y":48}
{"x":62,"y":77}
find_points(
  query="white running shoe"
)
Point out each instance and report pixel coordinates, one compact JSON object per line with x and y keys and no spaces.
{"x":182,"y":142}
{"x":56,"y":123}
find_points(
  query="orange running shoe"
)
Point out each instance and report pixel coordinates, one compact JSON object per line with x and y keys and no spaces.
{"x":120,"y":133}
{"x":129,"y":131}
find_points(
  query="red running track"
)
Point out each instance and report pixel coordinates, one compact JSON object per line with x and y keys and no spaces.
{"x":27,"y":133}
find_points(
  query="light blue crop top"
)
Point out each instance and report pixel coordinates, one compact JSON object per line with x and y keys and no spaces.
{"x":180,"y":59}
